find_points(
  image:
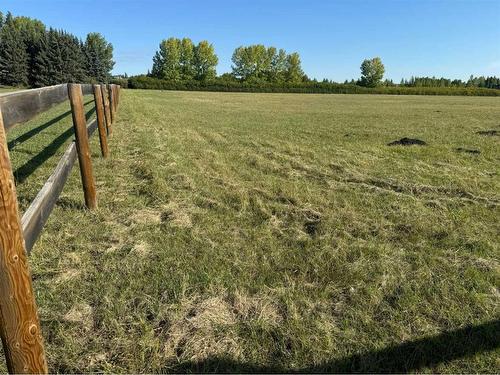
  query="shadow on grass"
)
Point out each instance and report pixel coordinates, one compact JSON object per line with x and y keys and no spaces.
{"x":410,"y":356}
{"x":24,"y":171}
{"x":31,"y":133}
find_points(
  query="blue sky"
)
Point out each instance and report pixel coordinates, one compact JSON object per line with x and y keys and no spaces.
{"x":452,"y":38}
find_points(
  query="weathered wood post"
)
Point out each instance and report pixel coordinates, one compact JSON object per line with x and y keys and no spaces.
{"x":118,"y":92}
{"x":82,"y":144}
{"x":117,"y":89}
{"x":113,"y":90}
{"x":19,"y":325}
{"x":107,"y":111}
{"x":112,"y":102}
{"x":101,"y":120}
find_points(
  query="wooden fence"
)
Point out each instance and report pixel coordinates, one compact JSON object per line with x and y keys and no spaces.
{"x":19,"y":324}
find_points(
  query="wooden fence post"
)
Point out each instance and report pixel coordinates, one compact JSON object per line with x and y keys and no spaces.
{"x":118,"y":91}
{"x":82,"y":144}
{"x":101,"y":120}
{"x":19,"y":325}
{"x":107,"y":111}
{"x":112,"y":102}
{"x":115,"y":97}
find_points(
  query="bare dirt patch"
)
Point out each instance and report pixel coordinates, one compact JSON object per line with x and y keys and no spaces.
{"x":312,"y":221}
{"x":489,"y":133}
{"x":407,"y":142}
{"x":468,"y":150}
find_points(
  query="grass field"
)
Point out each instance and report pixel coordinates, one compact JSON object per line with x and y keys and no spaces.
{"x":272,"y":232}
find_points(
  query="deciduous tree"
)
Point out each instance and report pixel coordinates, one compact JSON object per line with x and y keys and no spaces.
{"x":186,"y":59}
{"x":205,"y":61}
{"x":372,"y":72}
{"x":166,"y":62}
{"x":294,"y":72}
{"x":256,"y":63}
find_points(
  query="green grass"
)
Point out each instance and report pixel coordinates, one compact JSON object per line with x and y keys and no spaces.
{"x":274,"y":232}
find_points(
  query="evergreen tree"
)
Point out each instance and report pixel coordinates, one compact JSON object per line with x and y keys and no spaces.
{"x":98,"y":57}
{"x":30,"y":31}
{"x":55,"y":58}
{"x":73,"y":58}
{"x":13,"y":56}
{"x":41,"y":64}
{"x":30,"y":54}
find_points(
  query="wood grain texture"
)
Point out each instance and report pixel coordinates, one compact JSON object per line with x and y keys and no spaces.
{"x":115,"y":96}
{"x":107,"y":110}
{"x":112,"y":103}
{"x":118,"y":91}
{"x":82,"y":144}
{"x":39,"y":211}
{"x":101,"y":120}
{"x":21,"y":106}
{"x":19,"y":324}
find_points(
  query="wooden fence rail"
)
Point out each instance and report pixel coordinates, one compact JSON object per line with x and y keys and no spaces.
{"x":19,"y":324}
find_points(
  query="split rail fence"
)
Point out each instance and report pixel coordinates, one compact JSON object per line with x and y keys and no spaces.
{"x":19,"y":324}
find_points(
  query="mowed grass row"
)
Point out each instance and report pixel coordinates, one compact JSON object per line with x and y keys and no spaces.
{"x":271,"y":232}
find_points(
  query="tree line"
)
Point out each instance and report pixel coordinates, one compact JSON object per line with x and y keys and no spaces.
{"x":486,"y":82}
{"x":32,"y":55}
{"x":179,"y":60}
{"x":183,"y":64}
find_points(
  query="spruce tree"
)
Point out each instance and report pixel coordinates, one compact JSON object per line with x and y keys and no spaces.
{"x":13,"y":56}
{"x":41,"y":65}
{"x":55,"y":58}
{"x":98,"y":57}
{"x":72,"y":57}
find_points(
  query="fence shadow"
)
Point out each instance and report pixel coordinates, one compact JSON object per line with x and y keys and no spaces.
{"x":410,"y":356}
{"x":24,"y":171}
{"x":31,"y":133}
